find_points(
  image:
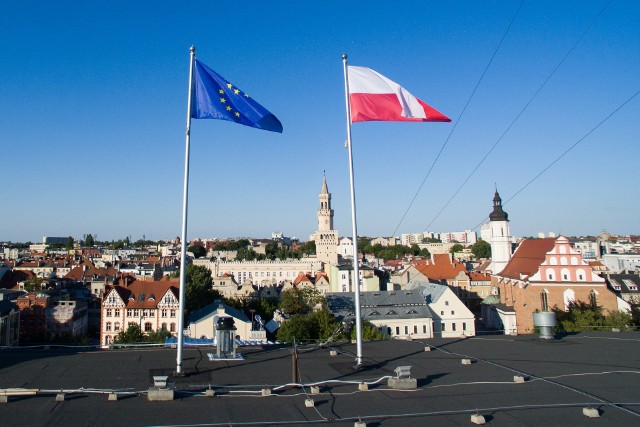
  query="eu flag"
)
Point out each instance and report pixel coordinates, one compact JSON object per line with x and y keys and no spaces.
{"x":216,"y":98}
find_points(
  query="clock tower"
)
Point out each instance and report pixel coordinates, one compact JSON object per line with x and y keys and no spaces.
{"x":326,"y":237}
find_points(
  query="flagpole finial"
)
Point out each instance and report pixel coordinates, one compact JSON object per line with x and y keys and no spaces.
{"x":192,"y":49}
{"x":344,"y":56}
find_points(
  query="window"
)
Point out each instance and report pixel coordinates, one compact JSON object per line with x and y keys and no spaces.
{"x":148,"y":326}
{"x":173,"y":327}
{"x":441,"y":313}
{"x":544,"y":300}
{"x":551,"y":274}
{"x":164,"y":312}
{"x":116,"y":326}
{"x":453,"y":313}
{"x":164,"y":327}
{"x":116,"y":312}
{"x":443,"y":326}
{"x":173,"y":313}
{"x":136,"y":312}
{"x":129,"y":312}
{"x":108,"y":312}
{"x":593,"y":298}
{"x":108,"y":326}
{"x":397,"y":330}
{"x":424,"y":329}
{"x":453,"y":326}
{"x":464,"y":326}
{"x":446,"y":303}
{"x":406,"y":330}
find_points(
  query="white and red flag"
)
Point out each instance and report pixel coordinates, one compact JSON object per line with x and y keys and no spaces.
{"x":374,"y":97}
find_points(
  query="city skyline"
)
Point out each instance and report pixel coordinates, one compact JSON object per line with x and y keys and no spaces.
{"x":95,"y":104}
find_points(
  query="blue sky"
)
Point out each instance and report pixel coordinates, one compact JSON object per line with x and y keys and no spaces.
{"x":93,"y":98}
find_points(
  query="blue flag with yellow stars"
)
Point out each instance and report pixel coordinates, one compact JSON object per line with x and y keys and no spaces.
{"x":216,"y":98}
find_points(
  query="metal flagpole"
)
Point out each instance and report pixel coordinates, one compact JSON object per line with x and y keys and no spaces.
{"x":356,"y":261}
{"x":183,"y":241}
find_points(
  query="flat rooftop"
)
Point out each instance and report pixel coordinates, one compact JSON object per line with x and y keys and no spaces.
{"x":563,"y":376}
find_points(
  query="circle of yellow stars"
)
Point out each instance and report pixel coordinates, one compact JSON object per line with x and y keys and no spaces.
{"x":223,"y":100}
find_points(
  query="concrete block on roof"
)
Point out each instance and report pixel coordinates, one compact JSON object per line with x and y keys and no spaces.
{"x":156,"y":394}
{"x":478,"y":419}
{"x":590,"y":412}
{"x":403,"y":383}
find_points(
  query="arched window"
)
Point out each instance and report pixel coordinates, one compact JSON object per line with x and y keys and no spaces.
{"x":544,"y":300}
{"x":565,"y":274}
{"x":569,"y":298}
{"x":581,"y":275}
{"x":107,"y":340}
{"x":593,"y":299}
{"x":164,"y":326}
{"x":563,"y":260}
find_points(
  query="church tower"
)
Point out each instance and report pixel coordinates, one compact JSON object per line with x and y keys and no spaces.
{"x":500,"y":237}
{"x":326,"y":237}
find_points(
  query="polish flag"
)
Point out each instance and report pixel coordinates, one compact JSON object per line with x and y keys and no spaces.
{"x":374,"y":97}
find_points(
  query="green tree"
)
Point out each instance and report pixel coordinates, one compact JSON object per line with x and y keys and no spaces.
{"x":431,"y":240}
{"x":364,"y":243}
{"x":89,"y":241}
{"x":481,"y":249}
{"x":300,"y":300}
{"x":425,"y":253}
{"x":309,"y":248}
{"x":370,"y":332}
{"x":298,"y":328}
{"x":198,"y":251}
{"x":159,"y":336}
{"x":246,"y":254}
{"x":456,"y":248}
{"x":132,"y":334}
{"x":415,"y":249}
{"x":33,"y":284}
{"x":69,"y":244}
{"x":199,"y":292}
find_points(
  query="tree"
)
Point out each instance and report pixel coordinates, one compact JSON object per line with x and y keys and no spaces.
{"x":481,"y":249}
{"x":132,"y":334}
{"x":159,"y":336}
{"x":198,"y":251}
{"x":199,"y":292}
{"x":297,"y":327}
{"x":415,"y":249}
{"x":299,"y":300}
{"x":89,"y":241}
{"x":370,"y":332}
{"x":431,"y":240}
{"x":363,"y":244}
{"x":69,"y":244}
{"x":33,"y":284}
{"x":456,"y":248}
{"x":245,"y":254}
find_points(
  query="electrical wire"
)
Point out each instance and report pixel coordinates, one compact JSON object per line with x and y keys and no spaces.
{"x":557,"y":159}
{"x":517,"y":117}
{"x":455,"y":123}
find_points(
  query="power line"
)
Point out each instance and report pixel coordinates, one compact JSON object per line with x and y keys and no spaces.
{"x":526,"y":105}
{"x":557,"y":159}
{"x":455,"y":124}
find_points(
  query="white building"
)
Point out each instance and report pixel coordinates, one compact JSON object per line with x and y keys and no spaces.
{"x":202,"y":323}
{"x":151,"y":305}
{"x":451,"y":318}
{"x":263,"y":273}
{"x":399,"y":314}
{"x":345,"y":247}
{"x":500,"y":236}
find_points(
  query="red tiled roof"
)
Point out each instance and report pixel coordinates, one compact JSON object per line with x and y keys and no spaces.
{"x":302,"y":277}
{"x":77,"y":272}
{"x":131,"y":294}
{"x":479,"y":277}
{"x":440,"y":267}
{"x":528,"y":257}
